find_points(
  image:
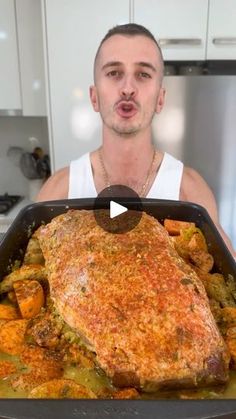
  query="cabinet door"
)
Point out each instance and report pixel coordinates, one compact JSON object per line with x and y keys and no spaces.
{"x":30,"y":38}
{"x":9,"y":70}
{"x":74,"y":31}
{"x":179,"y":26}
{"x":222,"y":30}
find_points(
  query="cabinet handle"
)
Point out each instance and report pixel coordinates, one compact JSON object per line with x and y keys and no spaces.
{"x":224,"y":41}
{"x":179,"y":41}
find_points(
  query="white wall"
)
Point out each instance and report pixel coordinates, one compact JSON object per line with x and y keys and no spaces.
{"x":73,"y":31}
{"x":16,"y":131}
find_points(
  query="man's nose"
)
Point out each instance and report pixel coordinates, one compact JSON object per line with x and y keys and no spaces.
{"x":128,"y":88}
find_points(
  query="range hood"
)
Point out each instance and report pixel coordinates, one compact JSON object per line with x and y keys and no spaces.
{"x":200,"y":68}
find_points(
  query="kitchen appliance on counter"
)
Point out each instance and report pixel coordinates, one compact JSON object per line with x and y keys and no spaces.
{"x":35,"y":167}
{"x":7,"y":202}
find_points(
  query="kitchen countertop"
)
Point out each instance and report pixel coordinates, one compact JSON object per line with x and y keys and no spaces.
{"x":6,"y":220}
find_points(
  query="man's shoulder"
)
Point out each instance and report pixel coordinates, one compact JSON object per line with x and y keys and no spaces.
{"x":59,"y":178}
{"x":192,"y":177}
{"x":56,"y":187}
{"x":193,"y":185}
{"x":60,"y":174}
{"x":195,"y":189}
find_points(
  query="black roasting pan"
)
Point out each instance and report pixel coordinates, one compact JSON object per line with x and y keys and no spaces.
{"x":12,"y":248}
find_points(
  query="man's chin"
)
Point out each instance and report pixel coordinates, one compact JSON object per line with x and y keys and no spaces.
{"x":126,"y":131}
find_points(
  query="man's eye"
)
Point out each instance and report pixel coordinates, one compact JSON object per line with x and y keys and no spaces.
{"x":144,"y":75}
{"x":113,"y":73}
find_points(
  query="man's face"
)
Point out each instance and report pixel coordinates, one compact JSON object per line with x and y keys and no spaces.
{"x":127,"y":90}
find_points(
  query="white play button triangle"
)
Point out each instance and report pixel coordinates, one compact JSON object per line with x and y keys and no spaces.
{"x":110,"y":206}
{"x":116,"y":209}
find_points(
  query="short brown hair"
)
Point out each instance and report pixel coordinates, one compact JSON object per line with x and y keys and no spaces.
{"x":129,"y":29}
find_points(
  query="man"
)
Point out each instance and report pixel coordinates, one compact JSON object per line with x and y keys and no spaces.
{"x":127,"y":92}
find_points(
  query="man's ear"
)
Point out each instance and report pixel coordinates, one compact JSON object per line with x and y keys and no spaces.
{"x":94,"y":98}
{"x":160,"y":100}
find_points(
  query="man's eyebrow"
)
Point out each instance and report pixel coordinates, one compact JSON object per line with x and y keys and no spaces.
{"x":119,"y":63}
{"x":146,"y":64}
{"x":111,"y":64}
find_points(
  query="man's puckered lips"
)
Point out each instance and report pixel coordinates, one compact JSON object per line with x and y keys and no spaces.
{"x":126,"y":109}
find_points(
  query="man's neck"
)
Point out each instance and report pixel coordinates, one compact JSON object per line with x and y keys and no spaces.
{"x":126,"y":161}
{"x":127,"y":155}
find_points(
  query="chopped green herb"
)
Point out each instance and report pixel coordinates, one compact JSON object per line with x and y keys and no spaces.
{"x":186,"y":281}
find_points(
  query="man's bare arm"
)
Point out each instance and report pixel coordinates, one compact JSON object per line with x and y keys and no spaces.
{"x":56,"y":187}
{"x":195,"y":189}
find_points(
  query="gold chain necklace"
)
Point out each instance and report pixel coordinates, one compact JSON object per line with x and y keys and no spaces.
{"x":145,"y":184}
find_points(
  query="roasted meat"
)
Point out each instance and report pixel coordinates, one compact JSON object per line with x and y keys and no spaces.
{"x":134,"y":301}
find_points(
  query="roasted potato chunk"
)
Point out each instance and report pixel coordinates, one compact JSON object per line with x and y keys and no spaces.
{"x":197,"y":242}
{"x":191,"y":241}
{"x":228,"y":315}
{"x":33,"y":253}
{"x":80,"y":356}
{"x":42,"y":365}
{"x":231,"y":343}
{"x":34,"y":356}
{"x":12,"y":297}
{"x":61,"y":389}
{"x":202,"y":259}
{"x":7,"y":368}
{"x":36,"y":272}
{"x":12,"y":336}
{"x":217,"y":289}
{"x":216,"y":310}
{"x":127,"y":393}
{"x":8,"y":312}
{"x":45,"y":331}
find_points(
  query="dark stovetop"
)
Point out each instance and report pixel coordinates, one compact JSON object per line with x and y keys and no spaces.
{"x":7,"y":202}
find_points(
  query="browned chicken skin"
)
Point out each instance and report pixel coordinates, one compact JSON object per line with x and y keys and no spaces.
{"x":134,"y":301}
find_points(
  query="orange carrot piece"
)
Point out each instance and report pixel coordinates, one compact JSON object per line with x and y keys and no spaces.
{"x":175,"y":226}
{"x":30,"y":297}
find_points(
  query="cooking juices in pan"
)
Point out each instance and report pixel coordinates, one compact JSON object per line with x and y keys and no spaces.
{"x":75,"y":362}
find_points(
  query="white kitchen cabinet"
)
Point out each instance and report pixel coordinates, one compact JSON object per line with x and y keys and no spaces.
{"x":74,"y":30}
{"x":10,"y":95}
{"x":22,"y":80}
{"x":221,"y":43}
{"x":179,"y":26}
{"x":31,"y":57}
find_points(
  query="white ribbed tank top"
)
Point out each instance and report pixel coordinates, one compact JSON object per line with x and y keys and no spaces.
{"x":165,"y":186}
